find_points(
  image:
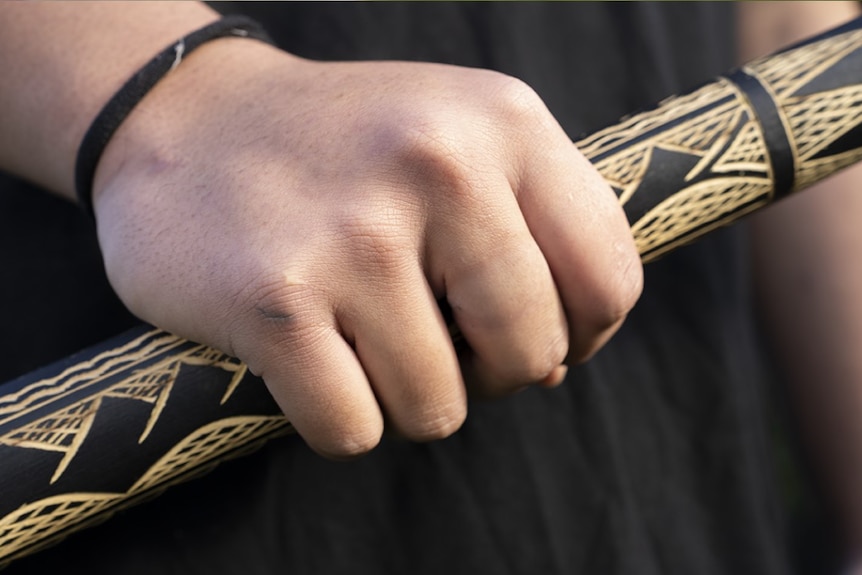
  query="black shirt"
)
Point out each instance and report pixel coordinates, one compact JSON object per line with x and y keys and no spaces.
{"x":653,"y":458}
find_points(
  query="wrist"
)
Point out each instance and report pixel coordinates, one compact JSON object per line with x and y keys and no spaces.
{"x":81,"y":54}
{"x":123,"y":102}
{"x":179,"y":115}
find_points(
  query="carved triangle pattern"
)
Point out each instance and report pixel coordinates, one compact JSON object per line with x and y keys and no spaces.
{"x":732,"y":162}
{"x":38,"y":523}
{"x":819,"y":120}
{"x":702,"y":124}
{"x":694,"y":208}
{"x":626,"y":170}
{"x":632,"y":128}
{"x":705,"y":124}
{"x":747,"y":153}
{"x":205,"y":444}
{"x":66,"y":430}
{"x":56,"y":432}
{"x":147,"y":386}
{"x":816,"y":120}
{"x":798,"y":67}
{"x":41,"y":521}
{"x":124,"y":357}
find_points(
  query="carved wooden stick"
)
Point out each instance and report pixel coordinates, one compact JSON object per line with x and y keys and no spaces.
{"x":121,"y":422}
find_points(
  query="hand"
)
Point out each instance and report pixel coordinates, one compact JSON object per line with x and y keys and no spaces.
{"x":305,"y":217}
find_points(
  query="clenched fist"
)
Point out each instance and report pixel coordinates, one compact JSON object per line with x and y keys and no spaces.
{"x":306,"y":217}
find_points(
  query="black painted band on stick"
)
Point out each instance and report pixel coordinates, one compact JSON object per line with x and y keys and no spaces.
{"x":778,"y":146}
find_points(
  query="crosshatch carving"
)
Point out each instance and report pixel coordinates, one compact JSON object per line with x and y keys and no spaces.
{"x":711,"y":144}
{"x":696,"y":162}
{"x":148,"y":371}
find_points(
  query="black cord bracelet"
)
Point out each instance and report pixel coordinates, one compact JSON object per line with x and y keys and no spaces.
{"x":133,"y":91}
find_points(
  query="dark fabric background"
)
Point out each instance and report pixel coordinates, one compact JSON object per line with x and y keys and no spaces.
{"x":654,"y":458}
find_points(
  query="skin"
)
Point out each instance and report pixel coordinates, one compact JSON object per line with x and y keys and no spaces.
{"x":808,"y":271}
{"x":306,"y":217}
{"x":311,"y":233}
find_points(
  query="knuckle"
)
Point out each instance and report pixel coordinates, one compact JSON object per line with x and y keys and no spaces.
{"x":582,"y":354}
{"x":378,"y":242}
{"x":625,"y":287}
{"x":632,"y":283}
{"x":433,"y":153}
{"x":277,"y":316}
{"x":441,"y":152}
{"x":610,"y":294}
{"x":438,"y":425}
{"x":532,"y":366}
{"x":351,"y":445}
{"x":516,"y":100}
{"x":539,"y":365}
{"x":283,"y":301}
{"x":610,"y":306}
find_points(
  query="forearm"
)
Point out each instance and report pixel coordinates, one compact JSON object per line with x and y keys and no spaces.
{"x":809,"y":275}
{"x":809,"y":278}
{"x":60,"y":63}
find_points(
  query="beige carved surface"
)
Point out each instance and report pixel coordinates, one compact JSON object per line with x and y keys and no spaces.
{"x":716,"y":124}
{"x":731,"y":176}
{"x":37,"y":523}
{"x":725,"y":139}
